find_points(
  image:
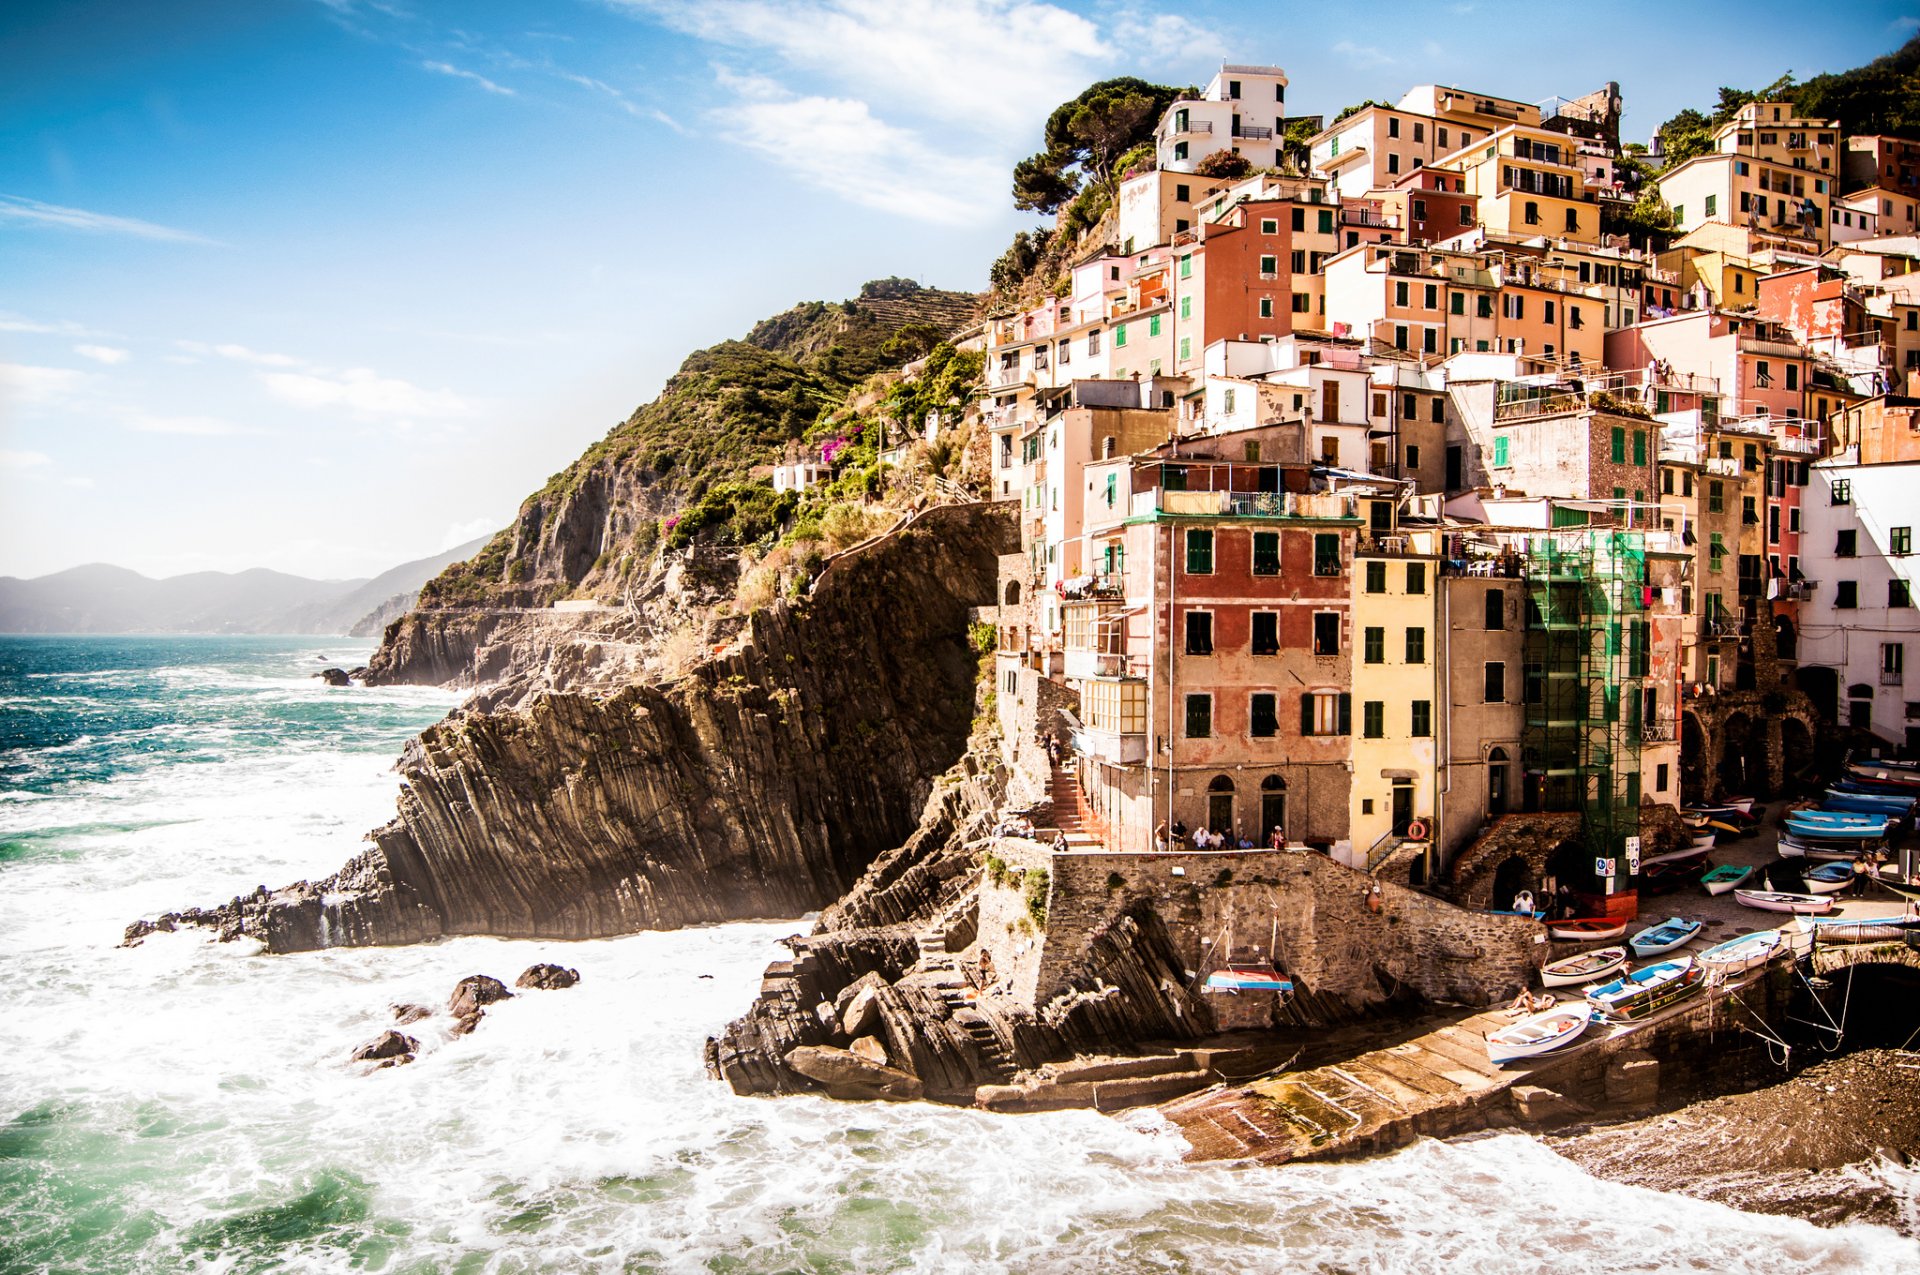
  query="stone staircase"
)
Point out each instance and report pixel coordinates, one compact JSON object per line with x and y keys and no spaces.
{"x":1069,"y":815}
{"x":939,"y":970}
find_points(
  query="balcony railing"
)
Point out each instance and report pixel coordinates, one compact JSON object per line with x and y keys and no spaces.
{"x":1192,"y":126}
{"x":1892,"y":677}
{"x":1253,"y":131}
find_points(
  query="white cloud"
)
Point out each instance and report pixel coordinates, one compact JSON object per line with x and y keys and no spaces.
{"x":447,"y":68}
{"x":363,"y":393}
{"x":460,"y":532}
{"x":18,"y":208}
{"x":56,"y":327}
{"x":107,"y":354}
{"x":193,"y":426}
{"x":25,"y":383}
{"x":1906,"y":23}
{"x":838,"y":145}
{"x":1166,"y":39}
{"x":240,"y":354}
{"x":1363,"y":55}
{"x":987,"y":65}
{"x":32,"y":460}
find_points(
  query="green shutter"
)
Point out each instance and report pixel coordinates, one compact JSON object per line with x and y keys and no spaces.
{"x":1500,"y":450}
{"x":1119,"y":336}
{"x":1619,"y":445}
{"x":1639,"y":446}
{"x":1346,"y":713}
{"x":1306,"y":713}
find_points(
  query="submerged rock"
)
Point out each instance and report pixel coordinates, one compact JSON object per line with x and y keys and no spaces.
{"x":845,"y":1074}
{"x":547,"y":978}
{"x":334,"y":677}
{"x":469,"y":997}
{"x":404,"y":1014}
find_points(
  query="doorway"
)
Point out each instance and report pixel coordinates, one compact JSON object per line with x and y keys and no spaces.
{"x":1402,"y":806}
{"x":1496,"y":783}
{"x":1273,"y":806}
{"x":1220,"y":805}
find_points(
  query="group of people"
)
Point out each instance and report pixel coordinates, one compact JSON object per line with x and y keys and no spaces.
{"x":1176,"y":837}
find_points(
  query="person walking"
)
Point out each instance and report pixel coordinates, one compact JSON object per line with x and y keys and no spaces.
{"x":1862,"y":871}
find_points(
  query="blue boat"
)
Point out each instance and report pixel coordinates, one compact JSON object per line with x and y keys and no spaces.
{"x":1870,"y":803}
{"x":1838,"y":825}
{"x":1664,"y":937}
{"x":1646,"y":991}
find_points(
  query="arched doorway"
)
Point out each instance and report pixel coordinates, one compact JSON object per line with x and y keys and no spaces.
{"x":1013,"y":593}
{"x":1220,"y":806}
{"x":1498,"y":778}
{"x":1509,"y":879}
{"x":1822,"y":686}
{"x":1693,"y":759}
{"x":1860,"y":706}
{"x":1273,"y":807}
{"x":1798,"y":766}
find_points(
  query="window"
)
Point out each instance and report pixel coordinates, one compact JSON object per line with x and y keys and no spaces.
{"x":1326,"y":633}
{"x":1893,"y":663}
{"x":1266,"y":553}
{"x":1324,"y":221}
{"x":1266,"y":633}
{"x":1466,"y":214}
{"x":1413,"y":457}
{"x":1186,"y":310}
{"x":1400,"y":293}
{"x":1496,"y":610}
{"x":1376,"y":577}
{"x":1374,"y":645}
{"x":1113,"y":489}
{"x":1269,"y":266}
{"x":1713,"y":205}
{"x":1532,"y":213}
{"x":1899,"y":541}
{"x":1182,"y":193}
{"x":1501,"y":451}
{"x":1262,"y":721}
{"x":1716,"y":552}
{"x":1494,"y":690}
{"x":1639,"y":446}
{"x":1199,"y":553}
{"x":1119,"y":336}
{"x":1716,"y":499}
{"x":1419,"y":210}
{"x":1619,"y":445}
{"x":1373,"y":719}
{"x":1302,"y":303}
{"x":1266,"y":307}
{"x":1430,"y":298}
{"x":1416,"y":646}
{"x":1186,"y":265}
{"x":1093,"y":342}
{"x":1842,"y":491}
{"x":1326,"y":713}
{"x":1416,"y":577}
{"x":1846,"y":595}
{"x":1326,"y":554}
{"x":1456,"y":303}
{"x":1300,"y":219}
{"x":1199,"y":633}
{"x":1422,"y":725}
{"x":1899,"y":594}
{"x":1153,"y":326}
{"x":1199,"y":716}
{"x":1843,"y":545}
{"x":1186,"y":347}
{"x":1269,"y":225}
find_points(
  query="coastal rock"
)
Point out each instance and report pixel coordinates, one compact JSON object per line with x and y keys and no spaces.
{"x":474,"y":992}
{"x":869,"y":1048}
{"x":334,"y":677}
{"x":845,"y":1074}
{"x":547,"y":978}
{"x":763,"y":783}
{"x":390,"y":1048}
{"x":404,"y":1014}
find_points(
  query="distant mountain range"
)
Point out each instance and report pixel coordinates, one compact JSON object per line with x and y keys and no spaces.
{"x":98,"y":598}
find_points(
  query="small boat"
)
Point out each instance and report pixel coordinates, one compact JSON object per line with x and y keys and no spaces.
{"x":1657,"y":940}
{"x":1838,"y":825}
{"x":1539,"y":1034}
{"x":1681,"y":855}
{"x":1726,"y":814}
{"x":1704,"y":842}
{"x":1586,"y":929}
{"x":1723,"y":879}
{"x":1647,"y":991}
{"x":1777,"y":901}
{"x":1884,"y":780}
{"x":1866,"y":929}
{"x":1663,"y":878}
{"x":1247,"y":976}
{"x":1738,"y":955}
{"x":1724,"y":830}
{"x":1794,"y":846}
{"x":1572,"y":971}
{"x":1869,"y":803}
{"x":1887,"y":763}
{"x":1743,"y":804}
{"x":1828,"y":878}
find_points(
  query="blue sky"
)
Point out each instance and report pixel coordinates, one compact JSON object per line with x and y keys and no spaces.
{"x":325,"y":285}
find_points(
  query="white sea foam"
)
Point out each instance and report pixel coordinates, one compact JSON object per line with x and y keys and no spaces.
{"x":188,"y":1104}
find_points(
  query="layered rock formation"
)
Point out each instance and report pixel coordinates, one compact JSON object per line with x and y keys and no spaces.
{"x":762,"y":784}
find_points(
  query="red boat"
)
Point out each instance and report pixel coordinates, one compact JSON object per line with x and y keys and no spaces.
{"x":1586,"y":929}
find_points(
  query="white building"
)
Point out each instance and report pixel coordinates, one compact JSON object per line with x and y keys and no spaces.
{"x":1857,"y":549}
{"x":1243,"y":109}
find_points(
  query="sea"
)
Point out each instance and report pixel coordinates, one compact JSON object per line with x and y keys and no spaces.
{"x":187,"y":1105}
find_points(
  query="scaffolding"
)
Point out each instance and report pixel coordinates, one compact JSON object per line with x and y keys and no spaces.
{"x":1587,"y":651}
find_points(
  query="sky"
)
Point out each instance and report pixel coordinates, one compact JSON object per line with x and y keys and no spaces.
{"x":328,"y":285}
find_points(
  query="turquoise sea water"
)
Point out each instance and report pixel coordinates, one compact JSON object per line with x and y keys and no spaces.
{"x":187,"y":1106}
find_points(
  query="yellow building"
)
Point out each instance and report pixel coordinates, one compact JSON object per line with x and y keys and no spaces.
{"x":1397,"y":659}
{"x":1528,"y":182}
{"x":1768,"y":171}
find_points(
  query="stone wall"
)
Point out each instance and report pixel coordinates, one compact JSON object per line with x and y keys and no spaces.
{"x":1344,"y":956}
{"x":1007,"y":931}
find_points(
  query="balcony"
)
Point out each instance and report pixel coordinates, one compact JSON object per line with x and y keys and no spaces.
{"x":1368,"y":217}
{"x":1892,"y":677}
{"x":1795,"y":590}
{"x":1192,"y":126}
{"x":1253,"y":132}
{"x":1725,"y":629}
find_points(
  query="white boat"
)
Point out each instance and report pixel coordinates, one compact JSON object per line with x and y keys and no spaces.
{"x":1866,"y":929}
{"x":1587,"y":967}
{"x":1795,"y":846}
{"x":1778,"y":901}
{"x":1743,"y":804}
{"x":1657,"y":940}
{"x":1539,"y":1034}
{"x":1648,"y":990}
{"x":1738,"y":955}
{"x":1586,"y":929}
{"x":1705,"y":842}
{"x":1828,"y":878}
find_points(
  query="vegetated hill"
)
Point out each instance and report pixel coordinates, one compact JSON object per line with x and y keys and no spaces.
{"x":98,"y":598}
{"x":729,"y":409}
{"x":1881,"y":97}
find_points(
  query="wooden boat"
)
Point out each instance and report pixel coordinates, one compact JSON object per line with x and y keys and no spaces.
{"x":1828,"y":878}
{"x":1869,"y":803}
{"x":1737,"y":955}
{"x":1884,"y":780}
{"x":1662,"y":878}
{"x":1247,"y":976}
{"x":1647,"y":991}
{"x":1743,"y":804}
{"x":1776,"y":901}
{"x":1723,"y":879}
{"x":1586,"y":929}
{"x":1866,"y":929}
{"x":1724,"y":813}
{"x":1657,"y":940}
{"x":1681,"y":855}
{"x":1795,"y":846}
{"x":1539,"y":1034}
{"x":1838,"y":825}
{"x":1704,"y":842}
{"x":1572,"y":971}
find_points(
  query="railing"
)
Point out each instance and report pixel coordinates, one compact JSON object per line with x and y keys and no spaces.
{"x":1191,"y":126}
{"x":1892,"y":677}
{"x":1378,"y":852}
{"x":1660,"y":732}
{"x":1254,"y":131}
{"x":1368,"y":217}
{"x":1796,"y":589}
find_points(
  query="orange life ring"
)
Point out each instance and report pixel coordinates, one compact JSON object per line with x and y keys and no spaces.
{"x":1417,"y":830}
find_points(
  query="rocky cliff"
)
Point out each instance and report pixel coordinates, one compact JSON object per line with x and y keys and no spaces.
{"x":762,"y":784}
{"x":593,"y":531}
